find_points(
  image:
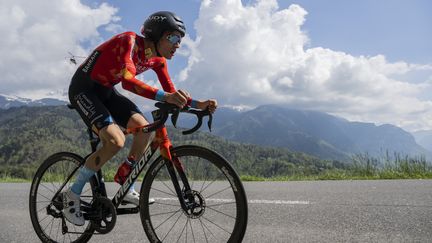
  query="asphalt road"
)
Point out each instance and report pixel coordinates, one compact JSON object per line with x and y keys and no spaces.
{"x":321,"y":211}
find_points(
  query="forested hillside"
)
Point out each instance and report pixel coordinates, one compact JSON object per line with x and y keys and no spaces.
{"x":28,"y":135}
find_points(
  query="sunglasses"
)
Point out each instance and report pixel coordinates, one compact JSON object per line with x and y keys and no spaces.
{"x":174,"y":39}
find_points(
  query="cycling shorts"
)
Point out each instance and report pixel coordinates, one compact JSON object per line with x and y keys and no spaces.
{"x":98,"y":105}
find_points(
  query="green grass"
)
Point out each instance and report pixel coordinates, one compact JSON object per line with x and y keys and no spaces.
{"x":8,"y":179}
{"x":362,"y":167}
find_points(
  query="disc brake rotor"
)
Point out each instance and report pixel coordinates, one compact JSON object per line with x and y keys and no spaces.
{"x":198,"y":207}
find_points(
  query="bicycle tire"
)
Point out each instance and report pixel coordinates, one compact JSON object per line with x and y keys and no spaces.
{"x":48,"y":179}
{"x":222,"y":174}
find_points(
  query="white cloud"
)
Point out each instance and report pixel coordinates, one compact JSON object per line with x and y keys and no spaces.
{"x":36,"y":37}
{"x":257,"y":54}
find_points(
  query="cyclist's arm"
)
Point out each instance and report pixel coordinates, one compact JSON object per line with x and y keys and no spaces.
{"x":131,"y":83}
{"x":128,"y":73}
{"x":165,"y":80}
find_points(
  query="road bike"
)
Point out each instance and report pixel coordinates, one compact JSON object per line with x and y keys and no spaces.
{"x":189,"y":193}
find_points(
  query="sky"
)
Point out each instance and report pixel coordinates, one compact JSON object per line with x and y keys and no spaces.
{"x":367,"y":61}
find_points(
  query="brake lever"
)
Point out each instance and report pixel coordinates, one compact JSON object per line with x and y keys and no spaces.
{"x":174,"y":117}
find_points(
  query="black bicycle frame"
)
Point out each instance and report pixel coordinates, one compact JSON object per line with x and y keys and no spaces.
{"x":99,"y":188}
{"x":160,"y":116}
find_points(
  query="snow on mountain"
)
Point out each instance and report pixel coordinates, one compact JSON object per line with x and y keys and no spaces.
{"x":8,"y":101}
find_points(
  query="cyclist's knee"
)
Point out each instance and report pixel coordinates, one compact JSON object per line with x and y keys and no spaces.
{"x":137,"y":120}
{"x":112,"y":137}
{"x":115,"y":143}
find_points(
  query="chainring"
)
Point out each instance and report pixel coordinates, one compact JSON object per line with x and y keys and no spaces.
{"x":108,"y":215}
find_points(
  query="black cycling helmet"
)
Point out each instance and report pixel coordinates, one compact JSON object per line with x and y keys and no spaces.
{"x":159,"y":22}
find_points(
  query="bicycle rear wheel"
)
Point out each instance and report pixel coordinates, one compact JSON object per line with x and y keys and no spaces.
{"x":221,"y":212}
{"x":45,"y":210}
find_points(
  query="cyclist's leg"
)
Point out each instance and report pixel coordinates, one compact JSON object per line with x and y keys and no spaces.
{"x":89,"y":98}
{"x":128,"y":115}
{"x":113,"y":140}
{"x":97,"y":116}
{"x":86,"y":97}
{"x":140,"y":139}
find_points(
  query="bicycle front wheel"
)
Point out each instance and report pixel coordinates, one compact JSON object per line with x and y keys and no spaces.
{"x":220,"y":214}
{"x":55,"y":175}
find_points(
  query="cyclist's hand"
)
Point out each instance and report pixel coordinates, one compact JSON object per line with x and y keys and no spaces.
{"x":211,"y":104}
{"x":179,"y":98}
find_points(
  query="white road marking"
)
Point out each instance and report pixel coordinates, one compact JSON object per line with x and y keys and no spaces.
{"x":257,"y":201}
{"x":254,"y":201}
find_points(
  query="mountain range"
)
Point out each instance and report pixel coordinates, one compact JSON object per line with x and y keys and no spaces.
{"x":312,"y":132}
{"x":7,"y":101}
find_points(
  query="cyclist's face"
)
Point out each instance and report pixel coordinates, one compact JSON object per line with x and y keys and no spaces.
{"x":169,"y":43}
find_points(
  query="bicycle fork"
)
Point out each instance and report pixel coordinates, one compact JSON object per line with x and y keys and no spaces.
{"x":185,"y":195}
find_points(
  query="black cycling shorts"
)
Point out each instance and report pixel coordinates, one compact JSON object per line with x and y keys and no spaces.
{"x":98,"y":105}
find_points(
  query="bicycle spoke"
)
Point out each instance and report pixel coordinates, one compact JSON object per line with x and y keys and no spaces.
{"x":52,"y":178}
{"x":172,"y":227}
{"x":202,"y":226}
{"x":202,"y":186}
{"x":181,"y":233}
{"x":219,"y":192}
{"x":190,"y":224}
{"x":174,"y":205}
{"x":52,"y":226}
{"x":55,"y":188}
{"x":202,"y":191}
{"x":49,"y":189}
{"x":220,"y":227}
{"x":44,"y":197}
{"x":43,"y":201}
{"x":159,"y":214}
{"x":207,"y":228}
{"x":168,"y":187}
{"x":186,"y":230}
{"x":221,"y":212}
{"x":40,"y":221}
{"x":220,"y":204}
{"x":39,"y":210}
{"x":167,"y":218}
{"x":50,"y":223}
{"x":205,"y":173}
{"x":164,"y":192}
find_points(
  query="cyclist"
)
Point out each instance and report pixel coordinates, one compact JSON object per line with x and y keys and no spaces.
{"x":92,"y":92}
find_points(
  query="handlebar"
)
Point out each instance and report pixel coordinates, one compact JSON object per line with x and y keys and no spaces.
{"x":160,"y":116}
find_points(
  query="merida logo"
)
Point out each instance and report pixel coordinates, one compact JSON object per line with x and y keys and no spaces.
{"x":134,"y":174}
{"x":127,"y":183}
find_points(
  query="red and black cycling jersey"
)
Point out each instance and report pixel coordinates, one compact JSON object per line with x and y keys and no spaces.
{"x":120,"y":59}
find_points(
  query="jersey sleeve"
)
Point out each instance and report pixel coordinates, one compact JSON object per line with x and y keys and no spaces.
{"x":128,"y":73}
{"x":164,"y":78}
